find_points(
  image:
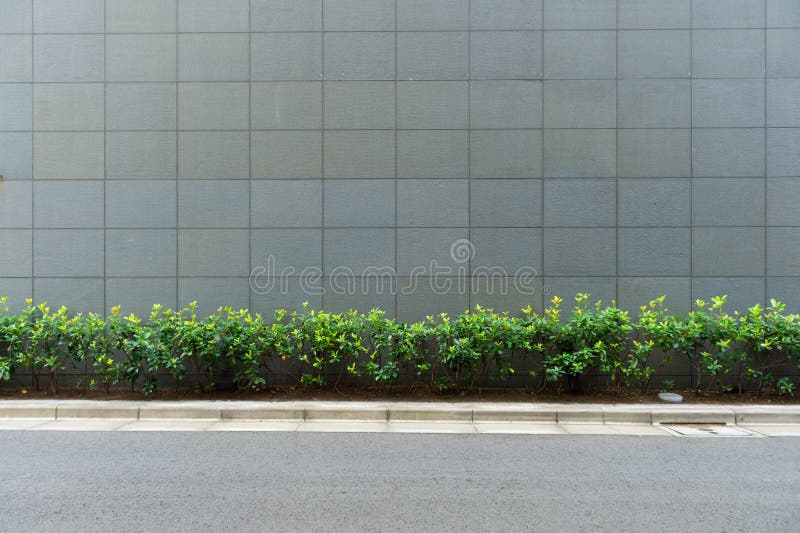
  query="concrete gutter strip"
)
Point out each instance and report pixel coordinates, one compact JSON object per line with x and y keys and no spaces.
{"x":445,"y":412}
{"x":258,"y":412}
{"x":523,"y":413}
{"x":614,"y":415}
{"x":401,"y":412}
{"x":154,"y":411}
{"x":338,"y":412}
{"x":92,"y":411}
{"x":772,"y":416}
{"x":694,"y":415}
{"x":28,"y":410}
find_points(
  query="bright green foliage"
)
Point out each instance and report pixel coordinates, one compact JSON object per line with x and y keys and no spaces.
{"x":758,"y":350}
{"x":392,"y":347}
{"x":592,"y":339}
{"x":704,"y":337}
{"x":475,"y":344}
{"x":771,"y":340}
{"x":326,"y":342}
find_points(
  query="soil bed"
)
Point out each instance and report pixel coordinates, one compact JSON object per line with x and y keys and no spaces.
{"x":421,"y":395}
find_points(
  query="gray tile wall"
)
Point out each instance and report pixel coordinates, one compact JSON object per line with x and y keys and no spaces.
{"x":162,"y":150}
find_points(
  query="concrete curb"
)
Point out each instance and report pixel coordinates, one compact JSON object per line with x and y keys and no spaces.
{"x":400,"y":412}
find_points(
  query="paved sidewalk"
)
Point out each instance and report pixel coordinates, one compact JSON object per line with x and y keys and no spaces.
{"x":403,"y":417}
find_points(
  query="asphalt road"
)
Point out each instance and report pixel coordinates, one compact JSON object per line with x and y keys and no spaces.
{"x":67,"y":481}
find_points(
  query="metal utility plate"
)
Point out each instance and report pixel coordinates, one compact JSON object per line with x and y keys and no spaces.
{"x":708,"y":430}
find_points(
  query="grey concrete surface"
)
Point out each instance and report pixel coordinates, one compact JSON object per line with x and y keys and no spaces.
{"x":627,"y":148}
{"x":381,"y":482}
{"x":388,"y":411}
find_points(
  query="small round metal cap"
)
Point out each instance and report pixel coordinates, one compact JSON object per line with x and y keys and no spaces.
{"x":670,"y":397}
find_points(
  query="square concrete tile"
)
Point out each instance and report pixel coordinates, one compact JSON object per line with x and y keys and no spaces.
{"x":782,"y":50}
{"x":432,"y":56}
{"x":728,"y":53}
{"x":17,"y":252}
{"x":82,"y":425}
{"x":16,"y":63}
{"x":212,"y":15}
{"x":286,"y":105}
{"x":432,"y":427}
{"x":578,"y":14}
{"x":286,"y":56}
{"x":654,"y":54}
{"x":68,"y":155}
{"x":728,"y":13}
{"x":17,"y":16}
{"x":141,"y":154}
{"x":432,"y":15}
{"x":255,"y":426}
{"x":285,"y":15}
{"x":67,"y":107}
{"x":142,"y":16}
{"x":359,"y":15}
{"x":589,"y":429}
{"x":68,"y":58}
{"x":743,"y":292}
{"x":514,"y":15}
{"x":343,"y":427}
{"x":775,"y":431}
{"x":505,"y":55}
{"x":639,"y":430}
{"x":74,"y":16}
{"x":214,"y":57}
{"x":15,"y":105}
{"x":520,"y":428}
{"x":152,"y":57}
{"x":15,"y":425}
{"x":168,"y":425}
{"x":82,"y":294}
{"x":359,"y":56}
{"x":580,"y":54}
{"x":654,"y":14}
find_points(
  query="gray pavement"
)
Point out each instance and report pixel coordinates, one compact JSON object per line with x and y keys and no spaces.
{"x":199,"y":481}
{"x":472,"y":412}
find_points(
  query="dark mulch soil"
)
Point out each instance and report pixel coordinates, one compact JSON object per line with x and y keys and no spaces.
{"x":351,"y":393}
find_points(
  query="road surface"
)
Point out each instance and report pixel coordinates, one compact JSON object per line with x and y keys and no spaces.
{"x":201,"y":481}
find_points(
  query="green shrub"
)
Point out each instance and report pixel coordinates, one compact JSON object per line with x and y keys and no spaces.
{"x":771,"y":340}
{"x":592,"y":339}
{"x":752,"y":351}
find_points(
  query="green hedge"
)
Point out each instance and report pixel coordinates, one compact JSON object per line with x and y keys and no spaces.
{"x":754,"y":351}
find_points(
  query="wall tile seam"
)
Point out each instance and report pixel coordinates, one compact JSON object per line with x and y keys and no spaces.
{"x":543,"y":199}
{"x":446,"y":178}
{"x":408,"y":129}
{"x":322,"y":159}
{"x":105,"y":160}
{"x":424,"y":30}
{"x":401,"y":226}
{"x":396,"y":166}
{"x":766,"y":151}
{"x":50,"y":179}
{"x":250,"y":139}
{"x":386,"y":80}
{"x":618,"y":150}
{"x":177,"y":151}
{"x":406,"y":275}
{"x":691,"y":149}
{"x":33,"y":159}
{"x":402,"y":179}
{"x":418,"y":80}
{"x":469,"y":143}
